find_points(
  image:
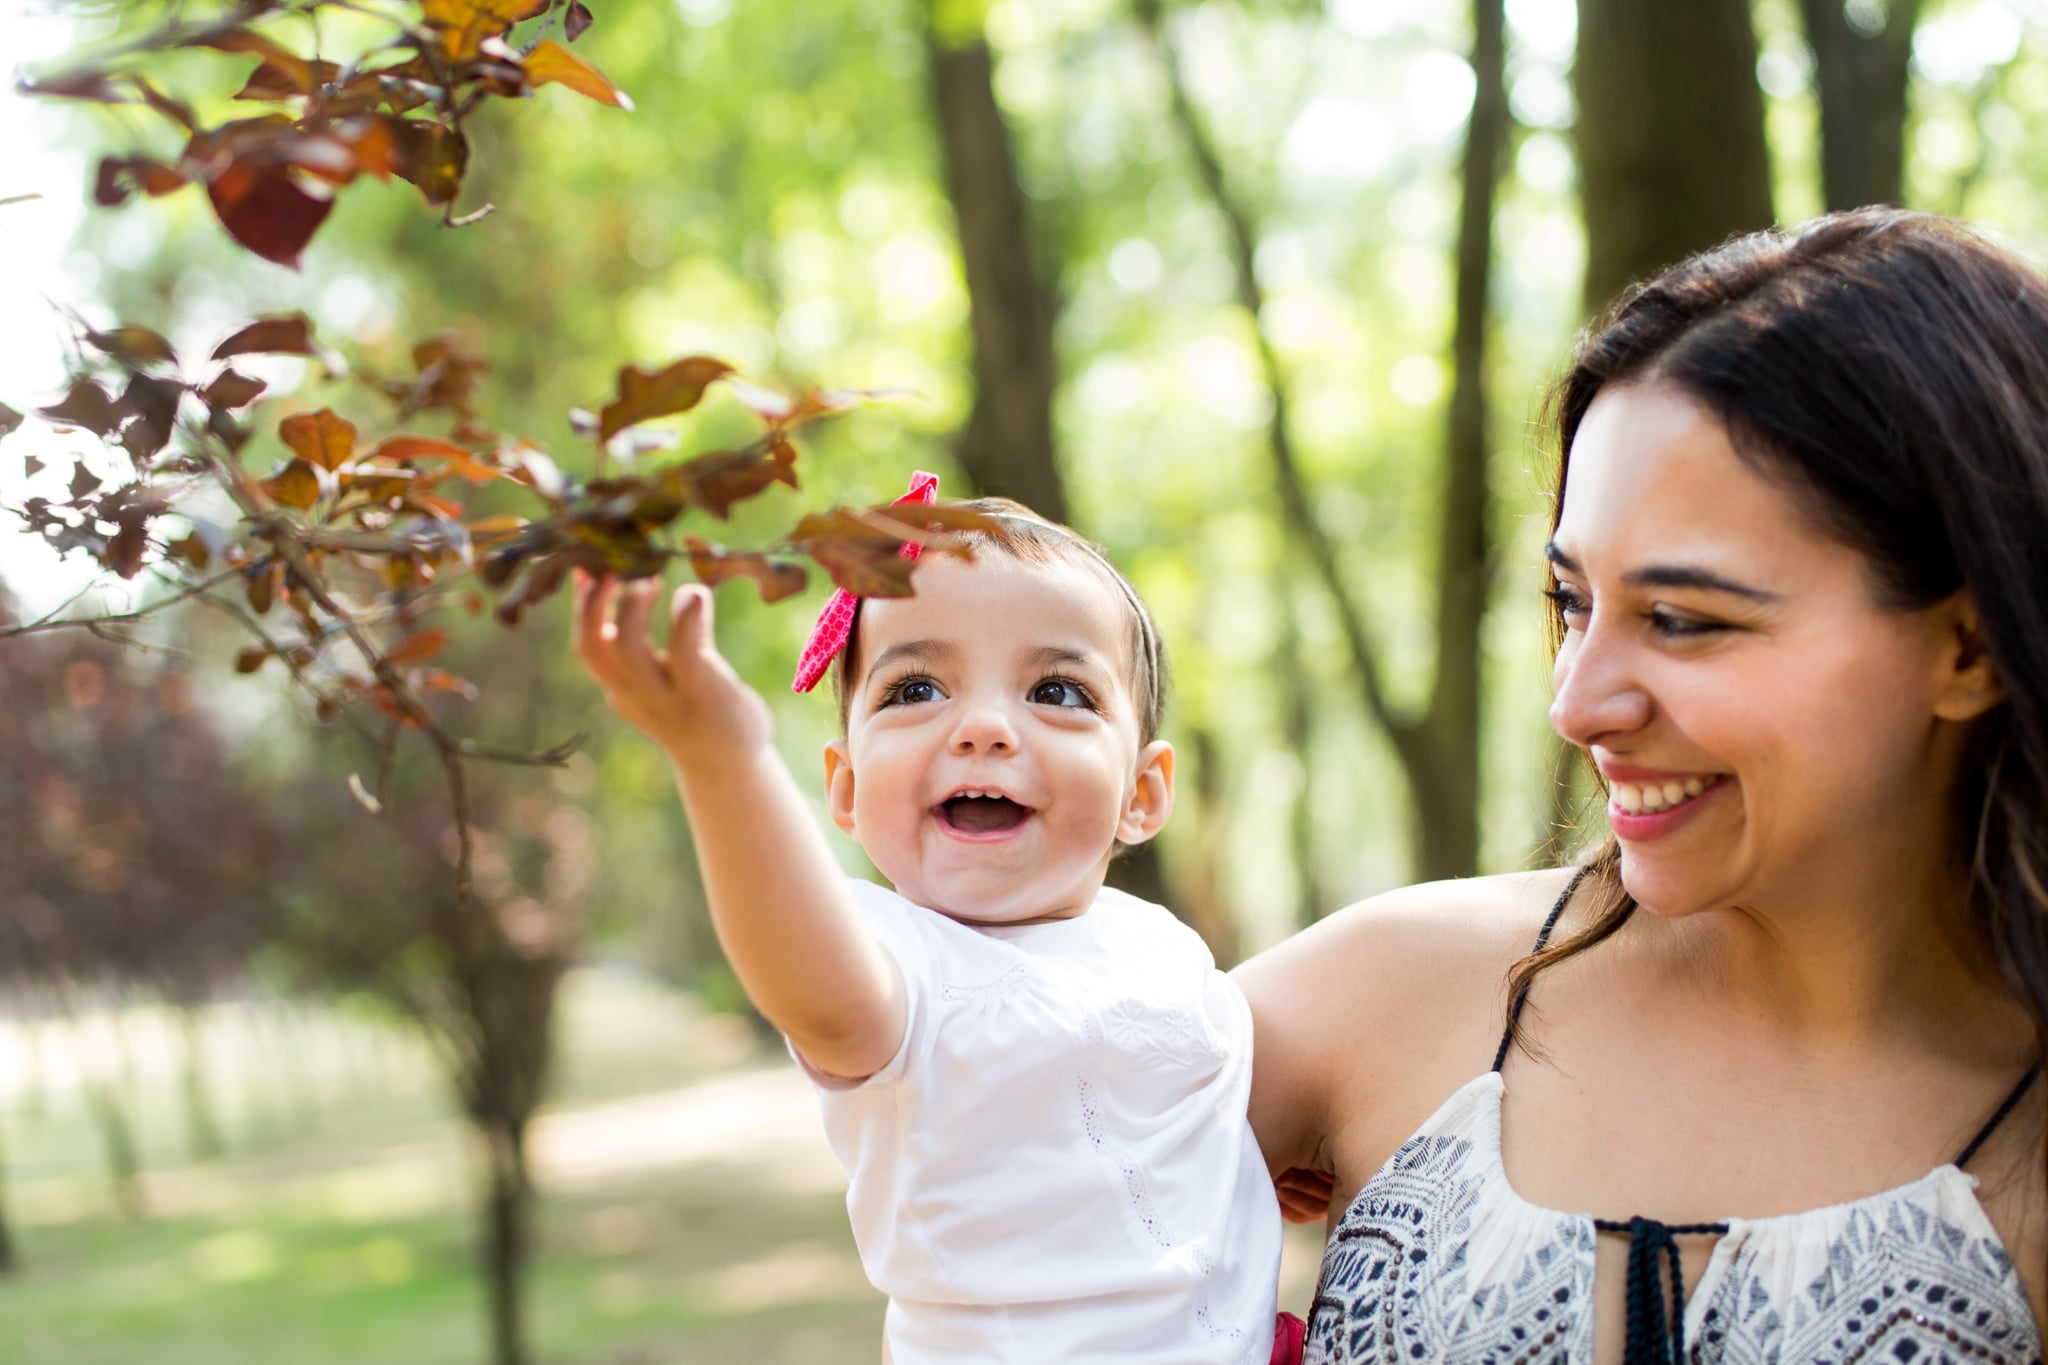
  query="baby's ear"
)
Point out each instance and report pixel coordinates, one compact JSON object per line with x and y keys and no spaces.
{"x":839,"y":786}
{"x":1151,"y":798}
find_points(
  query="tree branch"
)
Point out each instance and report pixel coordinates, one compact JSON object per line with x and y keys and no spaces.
{"x":1294,"y":496}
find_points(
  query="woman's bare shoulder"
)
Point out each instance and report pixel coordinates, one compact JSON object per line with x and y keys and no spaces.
{"x":1385,"y":1006}
{"x":1417,"y":938}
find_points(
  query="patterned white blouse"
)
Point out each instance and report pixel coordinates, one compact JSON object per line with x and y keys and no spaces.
{"x":1438,"y":1259}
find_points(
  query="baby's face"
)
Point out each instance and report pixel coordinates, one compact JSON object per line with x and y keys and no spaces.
{"x":991,"y":759}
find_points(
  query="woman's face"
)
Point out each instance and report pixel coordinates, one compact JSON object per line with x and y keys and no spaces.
{"x":1768,"y":733}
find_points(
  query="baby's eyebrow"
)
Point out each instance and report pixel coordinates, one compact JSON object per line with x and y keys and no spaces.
{"x":1051,"y":656}
{"x":917,"y":651}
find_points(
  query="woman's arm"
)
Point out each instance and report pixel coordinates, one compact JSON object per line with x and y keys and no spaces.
{"x":1363,"y":1023}
{"x":779,"y":901}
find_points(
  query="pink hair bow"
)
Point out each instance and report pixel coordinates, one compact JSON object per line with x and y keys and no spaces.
{"x":835,"y":622}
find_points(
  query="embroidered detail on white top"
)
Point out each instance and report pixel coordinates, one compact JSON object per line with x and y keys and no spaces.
{"x":1439,"y":1259}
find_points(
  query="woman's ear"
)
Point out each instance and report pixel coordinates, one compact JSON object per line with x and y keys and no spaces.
{"x":1969,"y":684}
{"x":1151,"y":799}
{"x":839,"y":786}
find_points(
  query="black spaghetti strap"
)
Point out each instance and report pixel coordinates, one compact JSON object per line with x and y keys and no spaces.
{"x":2011,"y":1102}
{"x":1507,"y":1035}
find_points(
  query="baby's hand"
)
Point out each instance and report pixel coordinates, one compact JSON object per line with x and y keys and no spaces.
{"x":685,"y":698}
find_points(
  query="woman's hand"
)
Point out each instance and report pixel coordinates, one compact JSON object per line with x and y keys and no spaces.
{"x":685,"y":698}
{"x":1304,"y":1194}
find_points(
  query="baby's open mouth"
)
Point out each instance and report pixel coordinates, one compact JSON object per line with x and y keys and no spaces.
{"x":982,"y":812}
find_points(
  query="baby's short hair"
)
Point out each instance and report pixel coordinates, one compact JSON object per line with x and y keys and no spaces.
{"x":1022,"y":534}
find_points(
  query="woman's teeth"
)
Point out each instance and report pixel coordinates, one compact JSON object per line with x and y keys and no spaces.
{"x":1639,"y":798}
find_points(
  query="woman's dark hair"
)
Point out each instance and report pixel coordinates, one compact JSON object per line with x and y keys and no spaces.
{"x":1890,"y":369}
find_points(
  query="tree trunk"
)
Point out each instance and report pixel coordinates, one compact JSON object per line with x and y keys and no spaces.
{"x":1208,"y":897}
{"x":1439,"y":749}
{"x":508,"y":1208}
{"x":202,"y":1130}
{"x":1007,"y":448}
{"x":9,"y":1261}
{"x":1447,"y":830}
{"x":1297,"y":726}
{"x":103,"y":1101}
{"x":117,"y":1144}
{"x":1672,"y":156}
{"x":1861,"y":75}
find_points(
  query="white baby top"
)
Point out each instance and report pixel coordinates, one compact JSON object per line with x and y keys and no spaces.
{"x":1056,"y":1165}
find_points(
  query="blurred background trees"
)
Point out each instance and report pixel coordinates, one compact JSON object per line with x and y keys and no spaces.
{"x":1262,"y":296}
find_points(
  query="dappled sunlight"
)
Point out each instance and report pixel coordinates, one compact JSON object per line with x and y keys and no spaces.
{"x":232,"y":1257}
{"x":766,"y":1118}
{"x":800,"y":1273}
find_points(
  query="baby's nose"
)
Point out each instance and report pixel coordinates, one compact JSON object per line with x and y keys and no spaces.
{"x":983,"y":728}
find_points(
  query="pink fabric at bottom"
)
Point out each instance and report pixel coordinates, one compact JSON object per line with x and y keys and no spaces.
{"x":1289,"y":1332}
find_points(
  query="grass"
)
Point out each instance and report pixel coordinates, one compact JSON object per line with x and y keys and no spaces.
{"x":689,"y":1210}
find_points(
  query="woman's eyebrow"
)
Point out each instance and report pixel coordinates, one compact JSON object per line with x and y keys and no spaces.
{"x":1668,"y":576}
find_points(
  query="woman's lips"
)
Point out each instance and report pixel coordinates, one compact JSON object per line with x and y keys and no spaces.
{"x":1643,"y":810}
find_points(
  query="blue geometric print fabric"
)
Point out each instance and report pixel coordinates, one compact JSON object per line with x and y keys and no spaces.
{"x":1438,"y":1259}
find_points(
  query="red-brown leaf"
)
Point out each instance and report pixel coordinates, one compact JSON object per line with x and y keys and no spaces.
{"x":154,"y":403}
{"x":232,"y":389}
{"x":644,"y":394}
{"x":9,"y":420}
{"x":87,"y":406}
{"x":552,"y":64}
{"x":372,"y":142}
{"x":716,"y":481}
{"x":576,"y":20}
{"x":280,"y":334}
{"x":263,"y":584}
{"x":97,"y":86}
{"x":279,"y":81}
{"x":776,"y":578}
{"x":319,"y":438}
{"x":431,"y":680}
{"x":251,"y":659}
{"x":298,"y":74}
{"x":861,"y":557}
{"x":124,"y":553}
{"x":464,"y":24}
{"x":295,"y":485}
{"x":134,"y":346}
{"x":417,"y":648}
{"x":266,"y":210}
{"x":191,"y":550}
{"x":121,"y":176}
{"x":429,"y":155}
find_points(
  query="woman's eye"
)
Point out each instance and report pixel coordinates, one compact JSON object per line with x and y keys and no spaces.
{"x":1060,"y":692}
{"x":1672,"y":625}
{"x":911,"y":691}
{"x":1567,"y":603}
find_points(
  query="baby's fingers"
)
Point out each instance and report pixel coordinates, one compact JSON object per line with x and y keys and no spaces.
{"x":632,"y":647}
{"x":690,"y":639}
{"x":591,"y":602}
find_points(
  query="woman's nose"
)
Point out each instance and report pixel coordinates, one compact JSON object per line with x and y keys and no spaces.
{"x":1597,"y":695}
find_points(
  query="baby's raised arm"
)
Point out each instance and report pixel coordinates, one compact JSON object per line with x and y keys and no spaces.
{"x":779,"y":902}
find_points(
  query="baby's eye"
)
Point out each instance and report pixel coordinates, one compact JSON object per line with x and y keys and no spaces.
{"x":910,"y":691}
{"x":1060,"y":692}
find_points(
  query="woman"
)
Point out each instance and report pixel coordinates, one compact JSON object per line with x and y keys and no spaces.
{"x":1772,"y":1054}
